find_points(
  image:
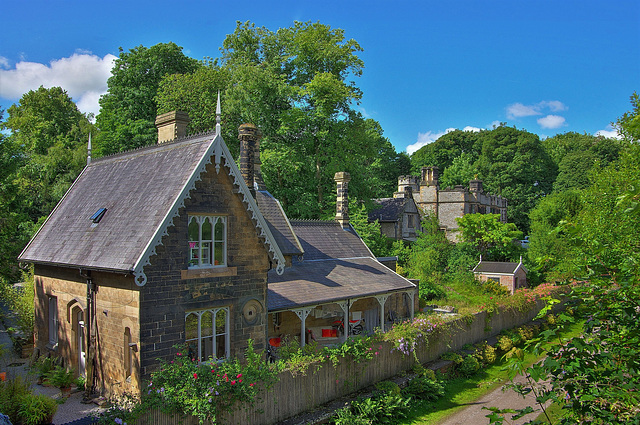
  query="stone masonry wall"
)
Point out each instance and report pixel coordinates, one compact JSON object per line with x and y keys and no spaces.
{"x":171,"y":290}
{"x":117,"y":305}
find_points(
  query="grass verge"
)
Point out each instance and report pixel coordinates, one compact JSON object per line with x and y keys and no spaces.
{"x":459,"y":392}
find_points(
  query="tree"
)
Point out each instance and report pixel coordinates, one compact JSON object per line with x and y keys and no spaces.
{"x":629,"y":123}
{"x":297,"y":86}
{"x":44,"y":152}
{"x":460,"y":172}
{"x":443,"y":151}
{"x":514,"y":164}
{"x":128,"y":109}
{"x":493,"y":239}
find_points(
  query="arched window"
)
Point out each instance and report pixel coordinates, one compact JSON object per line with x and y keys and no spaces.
{"x":207,"y":241}
{"x":207,"y":333}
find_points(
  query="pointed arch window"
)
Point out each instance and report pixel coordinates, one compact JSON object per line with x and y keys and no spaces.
{"x":207,"y":241}
{"x":207,"y":334}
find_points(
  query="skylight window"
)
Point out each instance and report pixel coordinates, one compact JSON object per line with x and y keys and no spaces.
{"x":98,"y":215}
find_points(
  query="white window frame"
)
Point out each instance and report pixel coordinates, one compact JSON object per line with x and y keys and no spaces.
{"x":199,"y":338}
{"x":53,"y":321}
{"x":214,"y":220}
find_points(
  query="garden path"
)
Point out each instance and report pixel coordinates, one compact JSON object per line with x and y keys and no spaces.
{"x":474,"y":414}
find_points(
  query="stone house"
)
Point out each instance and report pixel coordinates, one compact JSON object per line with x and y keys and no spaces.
{"x":450,"y":203}
{"x":399,"y":217}
{"x":175,"y":244}
{"x":510,"y":275}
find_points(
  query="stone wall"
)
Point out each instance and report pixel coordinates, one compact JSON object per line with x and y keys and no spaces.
{"x":172,"y":289}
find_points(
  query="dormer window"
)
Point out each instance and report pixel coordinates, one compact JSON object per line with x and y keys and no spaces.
{"x":207,"y":241}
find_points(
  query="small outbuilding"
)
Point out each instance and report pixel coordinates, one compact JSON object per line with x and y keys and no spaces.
{"x":510,"y":275}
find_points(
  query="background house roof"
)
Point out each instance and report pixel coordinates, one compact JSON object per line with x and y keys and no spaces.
{"x":497,"y":267}
{"x":390,"y":209}
{"x":323,"y":240}
{"x":321,"y":282}
{"x":137,"y":188}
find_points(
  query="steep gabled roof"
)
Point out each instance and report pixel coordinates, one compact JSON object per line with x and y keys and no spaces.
{"x":387,"y":209}
{"x":142,"y":191}
{"x":497,"y":267}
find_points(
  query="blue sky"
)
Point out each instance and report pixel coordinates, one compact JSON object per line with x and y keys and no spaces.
{"x":545,"y":66}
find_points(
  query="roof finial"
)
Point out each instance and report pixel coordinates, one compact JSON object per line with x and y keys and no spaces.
{"x":89,"y":150}
{"x":218,"y":131}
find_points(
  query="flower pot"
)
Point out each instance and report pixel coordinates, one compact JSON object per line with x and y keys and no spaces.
{"x":66,"y":392}
{"x":3,"y":376}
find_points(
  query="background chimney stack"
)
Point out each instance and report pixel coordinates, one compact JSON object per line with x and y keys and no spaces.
{"x":248,"y":135}
{"x":342,"y":201}
{"x":172,"y":125}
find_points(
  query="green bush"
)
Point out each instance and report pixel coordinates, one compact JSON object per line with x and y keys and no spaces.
{"x":36,"y":409}
{"x":469,"y":366}
{"x":454,"y":357}
{"x":486,"y":354}
{"x":11,"y":393}
{"x":423,"y":388}
{"x":505,"y":343}
{"x":388,"y":387}
{"x":383,"y":409}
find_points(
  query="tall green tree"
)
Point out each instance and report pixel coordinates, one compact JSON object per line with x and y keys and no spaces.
{"x":494,"y":240}
{"x":297,"y":85}
{"x":443,"y":151}
{"x":128,"y":109}
{"x":514,"y":164}
{"x":44,"y":152}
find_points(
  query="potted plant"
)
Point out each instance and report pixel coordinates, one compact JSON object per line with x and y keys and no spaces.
{"x":62,"y":378}
{"x":44,"y":365}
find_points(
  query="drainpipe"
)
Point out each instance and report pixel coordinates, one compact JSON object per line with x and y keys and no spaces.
{"x":90,"y":339}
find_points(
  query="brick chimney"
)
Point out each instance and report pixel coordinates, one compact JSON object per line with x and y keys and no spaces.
{"x":248,"y":135}
{"x":172,"y":125}
{"x":342,"y":201}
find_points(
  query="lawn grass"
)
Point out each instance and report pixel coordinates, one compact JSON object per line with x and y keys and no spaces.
{"x":459,"y":392}
{"x":467,"y":297}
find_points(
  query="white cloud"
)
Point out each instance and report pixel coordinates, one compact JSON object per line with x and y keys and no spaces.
{"x":364,"y":112}
{"x":609,"y":132}
{"x":518,"y":110}
{"x":430,"y":137}
{"x":551,"y":121}
{"x":83,"y":76}
{"x":4,"y":62}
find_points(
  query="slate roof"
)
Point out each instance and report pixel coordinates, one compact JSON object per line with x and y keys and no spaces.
{"x":497,"y":267}
{"x":278,"y":223}
{"x":390,"y":209}
{"x":142,"y":191}
{"x":136,"y":200}
{"x":337,"y":266}
{"x":322,"y":240}
{"x":321,"y":282}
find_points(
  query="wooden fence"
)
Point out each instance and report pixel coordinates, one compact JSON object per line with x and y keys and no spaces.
{"x":322,"y":383}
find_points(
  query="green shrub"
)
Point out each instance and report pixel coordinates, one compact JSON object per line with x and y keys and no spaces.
{"x":60,"y":377}
{"x":383,"y":409}
{"x":388,"y":387}
{"x":454,"y":357}
{"x":36,"y":409}
{"x":505,"y":343}
{"x":486,"y":353}
{"x":494,"y":288}
{"x":11,"y":393}
{"x":469,"y":366}
{"x":423,"y":388}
